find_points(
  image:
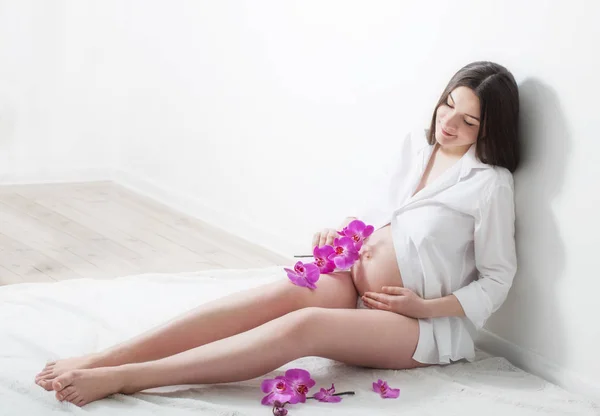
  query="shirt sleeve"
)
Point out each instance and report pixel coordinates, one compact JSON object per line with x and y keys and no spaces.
{"x":495,"y":257}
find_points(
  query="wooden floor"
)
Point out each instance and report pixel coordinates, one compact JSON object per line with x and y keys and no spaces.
{"x":54,"y":232}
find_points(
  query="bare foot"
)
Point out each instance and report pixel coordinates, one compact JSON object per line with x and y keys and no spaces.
{"x":56,"y":368}
{"x":81,"y":387}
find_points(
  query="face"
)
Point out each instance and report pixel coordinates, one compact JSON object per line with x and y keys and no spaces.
{"x":458,"y":117}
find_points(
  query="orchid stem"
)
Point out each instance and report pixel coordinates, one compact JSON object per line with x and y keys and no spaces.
{"x":336,"y":394}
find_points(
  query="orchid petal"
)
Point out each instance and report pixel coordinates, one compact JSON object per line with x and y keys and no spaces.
{"x":332,"y":256}
{"x":392,"y":393}
{"x":340,"y":262}
{"x":277,"y":388}
{"x":297,"y":280}
{"x":312,"y":273}
{"x":268,"y":385}
{"x":322,"y":251}
{"x":297,"y":374}
{"x":368,"y":231}
{"x":347,"y":243}
{"x":384,"y":390}
{"x":299,"y":267}
{"x":328,"y":268}
{"x":280,"y":411}
{"x":356,"y":226}
{"x":320,"y":396}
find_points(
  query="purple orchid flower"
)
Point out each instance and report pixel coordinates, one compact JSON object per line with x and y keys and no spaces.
{"x":322,"y":261}
{"x":305,"y":275}
{"x":278,"y":409}
{"x":345,"y":253}
{"x":278,"y":388}
{"x":384,"y":390}
{"x":327,"y":395}
{"x":358,"y":231}
{"x":300,"y":382}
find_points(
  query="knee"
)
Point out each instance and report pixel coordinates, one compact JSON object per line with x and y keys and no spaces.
{"x":302,"y":323}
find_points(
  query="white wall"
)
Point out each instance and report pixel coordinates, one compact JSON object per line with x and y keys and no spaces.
{"x":51,"y":107}
{"x":268,"y":118}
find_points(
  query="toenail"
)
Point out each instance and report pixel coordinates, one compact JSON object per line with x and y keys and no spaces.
{"x":58,"y":385}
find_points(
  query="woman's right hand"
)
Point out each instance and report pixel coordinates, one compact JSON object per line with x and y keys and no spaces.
{"x":327,"y":235}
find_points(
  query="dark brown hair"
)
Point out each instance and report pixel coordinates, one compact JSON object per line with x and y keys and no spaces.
{"x":497,"y":140}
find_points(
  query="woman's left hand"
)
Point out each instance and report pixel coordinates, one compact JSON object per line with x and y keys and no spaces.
{"x":397,"y":299}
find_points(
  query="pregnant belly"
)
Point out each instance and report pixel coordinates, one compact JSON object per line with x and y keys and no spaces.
{"x":377,"y":265}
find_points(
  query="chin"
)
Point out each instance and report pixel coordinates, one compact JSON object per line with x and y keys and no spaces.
{"x":444,"y":141}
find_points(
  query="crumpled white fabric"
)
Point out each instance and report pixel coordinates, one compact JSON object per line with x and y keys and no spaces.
{"x":44,"y":321}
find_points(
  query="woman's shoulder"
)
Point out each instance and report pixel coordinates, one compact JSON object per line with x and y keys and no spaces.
{"x":499,"y":176}
{"x":496,"y":181}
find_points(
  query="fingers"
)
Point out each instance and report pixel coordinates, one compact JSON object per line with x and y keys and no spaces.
{"x":394,"y":290}
{"x":380,"y":297}
{"x":332,"y":235}
{"x":375,"y":304}
{"x":324,"y":237}
{"x":316,"y":238}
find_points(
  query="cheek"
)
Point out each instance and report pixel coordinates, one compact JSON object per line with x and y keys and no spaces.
{"x":441,"y":112}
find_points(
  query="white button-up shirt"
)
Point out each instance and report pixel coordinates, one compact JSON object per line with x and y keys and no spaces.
{"x":455,"y":236}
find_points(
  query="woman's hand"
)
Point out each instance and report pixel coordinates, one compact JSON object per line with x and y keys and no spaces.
{"x":324,"y":237}
{"x":327,"y":235}
{"x":399,"y":300}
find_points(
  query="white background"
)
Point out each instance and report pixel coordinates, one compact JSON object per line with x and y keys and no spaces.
{"x":268,"y":118}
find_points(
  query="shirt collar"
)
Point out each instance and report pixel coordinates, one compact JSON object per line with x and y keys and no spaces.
{"x":468,"y":162}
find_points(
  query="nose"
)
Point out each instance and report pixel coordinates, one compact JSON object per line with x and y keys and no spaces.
{"x":449,"y":123}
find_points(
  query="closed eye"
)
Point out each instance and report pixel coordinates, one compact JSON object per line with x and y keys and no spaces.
{"x":468,"y":124}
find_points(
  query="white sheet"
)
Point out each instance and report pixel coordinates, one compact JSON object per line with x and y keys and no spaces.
{"x":44,"y":321}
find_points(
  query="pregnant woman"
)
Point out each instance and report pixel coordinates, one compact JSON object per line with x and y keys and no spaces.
{"x":440,"y":261}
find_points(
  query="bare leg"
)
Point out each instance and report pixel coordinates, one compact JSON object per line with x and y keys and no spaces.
{"x":213,"y":321}
{"x":341,"y":334}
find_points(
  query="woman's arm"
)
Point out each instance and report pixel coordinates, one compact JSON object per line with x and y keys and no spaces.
{"x":495,"y":257}
{"x":445,"y":306}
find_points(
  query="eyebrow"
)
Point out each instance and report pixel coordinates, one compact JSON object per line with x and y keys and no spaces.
{"x":450,"y":94}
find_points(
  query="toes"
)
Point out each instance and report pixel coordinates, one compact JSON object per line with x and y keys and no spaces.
{"x":65,"y":393}
{"x":79,"y":402}
{"x":46,"y":384}
{"x":63,"y":381}
{"x":47,"y":367}
{"x":44,"y":371}
{"x":43,"y":375}
{"x":72,"y":398}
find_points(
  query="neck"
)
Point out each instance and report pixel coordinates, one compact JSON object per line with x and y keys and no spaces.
{"x":453,"y":151}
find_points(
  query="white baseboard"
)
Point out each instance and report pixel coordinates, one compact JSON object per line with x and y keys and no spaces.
{"x":58,"y":176}
{"x":198,"y":209}
{"x":536,"y":364}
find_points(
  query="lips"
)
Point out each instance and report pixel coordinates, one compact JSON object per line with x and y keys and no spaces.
{"x":445,"y":132}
